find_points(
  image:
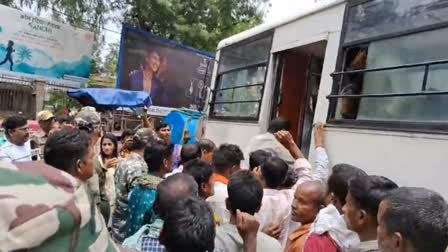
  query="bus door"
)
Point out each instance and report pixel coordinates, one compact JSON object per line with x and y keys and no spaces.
{"x":297,"y":87}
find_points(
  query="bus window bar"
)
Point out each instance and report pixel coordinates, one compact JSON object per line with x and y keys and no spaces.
{"x":425,"y":64}
{"x":233,"y":102}
{"x":260,"y":64}
{"x":425,"y":78}
{"x":251,"y":85}
{"x":388,"y":95}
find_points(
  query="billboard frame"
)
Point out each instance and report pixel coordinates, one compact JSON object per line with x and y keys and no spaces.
{"x":25,"y":25}
{"x":154,"y":36}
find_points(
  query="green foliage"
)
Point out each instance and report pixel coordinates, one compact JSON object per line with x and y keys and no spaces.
{"x":111,"y":60}
{"x":199,"y":23}
{"x":97,"y":66}
{"x":60,"y":101}
{"x":86,"y":14}
{"x":8,"y":3}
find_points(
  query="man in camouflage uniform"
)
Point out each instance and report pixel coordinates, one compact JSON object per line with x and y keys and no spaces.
{"x":125,"y":177}
{"x":46,"y":122}
{"x":90,"y":121}
{"x":46,"y":209}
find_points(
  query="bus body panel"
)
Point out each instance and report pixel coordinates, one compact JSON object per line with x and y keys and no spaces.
{"x":418,"y":160}
{"x":410,"y":159}
{"x":231,"y":132}
{"x":313,"y":26}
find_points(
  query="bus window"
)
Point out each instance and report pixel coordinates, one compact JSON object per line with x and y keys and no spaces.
{"x":393,"y":66}
{"x":240,"y":81}
{"x":356,"y":59}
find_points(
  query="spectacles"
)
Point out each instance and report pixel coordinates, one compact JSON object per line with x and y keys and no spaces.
{"x":23,"y":129}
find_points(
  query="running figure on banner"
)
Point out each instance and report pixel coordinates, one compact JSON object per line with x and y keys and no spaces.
{"x":8,"y":57}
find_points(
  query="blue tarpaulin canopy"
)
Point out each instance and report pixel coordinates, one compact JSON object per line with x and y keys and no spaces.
{"x":110,"y":97}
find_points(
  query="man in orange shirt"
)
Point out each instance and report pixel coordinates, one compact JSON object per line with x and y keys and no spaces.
{"x":226,"y":161}
{"x":308,"y":200}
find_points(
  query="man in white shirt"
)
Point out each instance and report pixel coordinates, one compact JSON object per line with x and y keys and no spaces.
{"x":189,"y":152}
{"x":18,"y":147}
{"x":245,"y":194}
{"x":268,"y":142}
{"x":276,"y":206}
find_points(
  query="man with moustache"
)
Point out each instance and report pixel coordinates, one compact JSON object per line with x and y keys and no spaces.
{"x":18,"y":147}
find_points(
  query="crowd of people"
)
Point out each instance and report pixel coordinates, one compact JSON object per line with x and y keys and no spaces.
{"x":75,"y":187}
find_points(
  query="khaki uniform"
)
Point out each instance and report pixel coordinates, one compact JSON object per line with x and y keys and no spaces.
{"x":41,"y":139}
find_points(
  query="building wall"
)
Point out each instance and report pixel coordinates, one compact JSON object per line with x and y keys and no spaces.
{"x":16,"y":98}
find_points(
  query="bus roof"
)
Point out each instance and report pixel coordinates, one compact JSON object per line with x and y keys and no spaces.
{"x":271,"y":25}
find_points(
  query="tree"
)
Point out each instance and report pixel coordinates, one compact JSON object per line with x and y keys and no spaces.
{"x":60,"y":101}
{"x":8,"y":3}
{"x":86,"y":14}
{"x":111,"y":60}
{"x":198,"y":23}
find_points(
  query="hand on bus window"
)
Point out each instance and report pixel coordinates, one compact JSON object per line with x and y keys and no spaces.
{"x":319,"y":135}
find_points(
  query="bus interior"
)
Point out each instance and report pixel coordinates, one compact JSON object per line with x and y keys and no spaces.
{"x":297,"y":87}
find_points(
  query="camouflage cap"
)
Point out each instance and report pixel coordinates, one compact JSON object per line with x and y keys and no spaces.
{"x":88,"y":117}
{"x":145,"y":134}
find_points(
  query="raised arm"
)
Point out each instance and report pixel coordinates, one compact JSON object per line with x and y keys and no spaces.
{"x":301,"y":164}
{"x":146,"y":121}
{"x":248,"y":228}
{"x":285,"y":138}
{"x":321,"y":172}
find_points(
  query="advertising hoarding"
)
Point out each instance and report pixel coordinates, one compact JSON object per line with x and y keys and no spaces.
{"x":174,"y":75}
{"x":35,"y":48}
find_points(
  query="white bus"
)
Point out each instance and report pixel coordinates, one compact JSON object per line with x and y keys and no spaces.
{"x":375,"y":71}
